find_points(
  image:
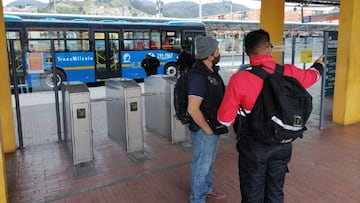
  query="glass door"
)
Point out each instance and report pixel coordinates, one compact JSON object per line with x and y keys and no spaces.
{"x":189,"y":41}
{"x":15,"y":58}
{"x":106,"y":54}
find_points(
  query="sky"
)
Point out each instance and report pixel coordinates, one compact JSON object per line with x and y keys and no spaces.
{"x":248,"y":3}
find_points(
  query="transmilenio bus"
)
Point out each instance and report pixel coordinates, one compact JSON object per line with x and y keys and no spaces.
{"x":91,"y":51}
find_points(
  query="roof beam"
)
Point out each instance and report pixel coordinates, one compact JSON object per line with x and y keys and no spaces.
{"x":317,"y":2}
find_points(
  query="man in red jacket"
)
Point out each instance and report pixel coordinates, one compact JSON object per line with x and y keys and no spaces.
{"x":262,"y":167}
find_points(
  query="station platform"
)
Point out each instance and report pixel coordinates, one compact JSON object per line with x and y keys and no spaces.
{"x":325,"y":167}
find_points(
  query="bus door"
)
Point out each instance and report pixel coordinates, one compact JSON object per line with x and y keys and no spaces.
{"x":15,"y":58}
{"x":189,"y":40}
{"x":107,"y":55}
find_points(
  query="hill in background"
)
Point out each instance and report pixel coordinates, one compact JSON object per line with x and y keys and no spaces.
{"x":183,"y":9}
{"x":24,"y":3}
{"x":188,"y":9}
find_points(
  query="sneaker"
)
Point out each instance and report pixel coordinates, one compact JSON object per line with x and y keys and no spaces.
{"x":215,"y":195}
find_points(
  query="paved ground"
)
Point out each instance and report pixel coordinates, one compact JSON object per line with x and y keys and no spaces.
{"x":324,"y":169}
{"x":325,"y":165}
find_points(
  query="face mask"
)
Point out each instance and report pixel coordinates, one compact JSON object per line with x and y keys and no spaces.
{"x":216,"y":60}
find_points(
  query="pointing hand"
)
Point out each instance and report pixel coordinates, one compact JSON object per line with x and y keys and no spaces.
{"x":320,"y":60}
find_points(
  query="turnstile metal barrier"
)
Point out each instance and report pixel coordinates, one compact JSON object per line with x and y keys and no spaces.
{"x":77,"y":121}
{"x":124,"y":113}
{"x":160,"y":115}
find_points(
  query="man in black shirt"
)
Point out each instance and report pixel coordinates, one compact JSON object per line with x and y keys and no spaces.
{"x":185,"y":61}
{"x":150,"y":64}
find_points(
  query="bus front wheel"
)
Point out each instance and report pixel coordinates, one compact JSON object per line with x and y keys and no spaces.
{"x":171,"y":69}
{"x":48,"y":79}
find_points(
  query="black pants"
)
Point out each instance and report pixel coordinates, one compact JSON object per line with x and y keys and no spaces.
{"x":262,"y":170}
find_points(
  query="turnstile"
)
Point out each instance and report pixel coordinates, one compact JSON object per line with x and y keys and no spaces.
{"x":124,"y":113}
{"x":160,"y":115}
{"x":77,"y":121}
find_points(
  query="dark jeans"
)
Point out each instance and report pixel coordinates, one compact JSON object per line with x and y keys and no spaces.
{"x":262,"y":170}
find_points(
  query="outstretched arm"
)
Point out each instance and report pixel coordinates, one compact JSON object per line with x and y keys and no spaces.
{"x":319,"y":64}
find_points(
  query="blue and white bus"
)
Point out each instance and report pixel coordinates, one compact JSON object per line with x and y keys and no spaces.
{"x":90,"y":51}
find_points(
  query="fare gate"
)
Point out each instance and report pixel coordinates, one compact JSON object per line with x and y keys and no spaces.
{"x":124,"y":113}
{"x":160,"y":115}
{"x":77,"y":121}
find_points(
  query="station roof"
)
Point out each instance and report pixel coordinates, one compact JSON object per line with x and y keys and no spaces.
{"x":318,"y":2}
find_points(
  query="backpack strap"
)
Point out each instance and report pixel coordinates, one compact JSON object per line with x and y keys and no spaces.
{"x":279,"y":69}
{"x":260,"y":72}
{"x":241,"y":109}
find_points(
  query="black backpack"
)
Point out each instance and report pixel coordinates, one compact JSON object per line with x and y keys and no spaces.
{"x":181,"y":98}
{"x":281,"y":110}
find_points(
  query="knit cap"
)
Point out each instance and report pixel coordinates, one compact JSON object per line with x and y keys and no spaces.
{"x":205,"y":46}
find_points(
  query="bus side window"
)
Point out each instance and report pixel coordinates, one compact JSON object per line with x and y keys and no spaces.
{"x":166,"y":44}
{"x":154,"y":45}
{"x":146,"y":44}
{"x":59,"y":45}
{"x":171,"y":39}
{"x":76,"y":41}
{"x":32,"y":48}
{"x":155,"y":39}
{"x":39,"y":45}
{"x":77,"y":45}
{"x":139,"y":45}
{"x":128,"y":45}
